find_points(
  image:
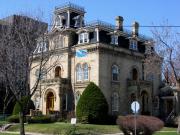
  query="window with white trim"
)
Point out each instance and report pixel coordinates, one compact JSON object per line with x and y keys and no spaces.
{"x":41,"y":47}
{"x":85,"y":71}
{"x":115,"y":73}
{"x":77,"y":96}
{"x":133,"y":45}
{"x":114,"y":39}
{"x":58,"y":41}
{"x":41,"y":75}
{"x":78,"y":73}
{"x":83,"y":38}
{"x":115,"y":102}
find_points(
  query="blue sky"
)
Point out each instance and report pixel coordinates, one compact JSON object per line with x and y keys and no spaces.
{"x":146,"y":12}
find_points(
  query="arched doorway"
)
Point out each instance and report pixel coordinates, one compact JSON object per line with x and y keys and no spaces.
{"x":58,"y":71}
{"x":145,"y":103}
{"x":134,"y":74}
{"x":50,"y":102}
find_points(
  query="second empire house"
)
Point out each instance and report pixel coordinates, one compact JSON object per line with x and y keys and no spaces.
{"x":110,"y":56}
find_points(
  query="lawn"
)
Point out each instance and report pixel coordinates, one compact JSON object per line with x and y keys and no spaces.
{"x":7,"y":134}
{"x":62,"y":128}
{"x":3,"y":122}
{"x":66,"y":128}
{"x":167,"y":131}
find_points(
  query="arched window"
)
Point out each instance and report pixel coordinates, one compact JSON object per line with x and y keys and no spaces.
{"x":115,"y":102}
{"x":77,"y":96}
{"x":134,"y":74}
{"x":85,"y":71}
{"x":41,"y":75}
{"x":58,"y":71}
{"x":78,"y":73}
{"x":115,"y":73}
{"x":145,"y":102}
{"x":156,"y":102}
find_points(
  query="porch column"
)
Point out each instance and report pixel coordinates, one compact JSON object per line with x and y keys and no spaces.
{"x":68,"y":20}
{"x":97,"y":34}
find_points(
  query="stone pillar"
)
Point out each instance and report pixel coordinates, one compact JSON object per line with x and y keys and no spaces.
{"x":68,"y":20}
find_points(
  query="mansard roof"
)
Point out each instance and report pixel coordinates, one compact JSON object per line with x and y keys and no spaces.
{"x":112,"y":28}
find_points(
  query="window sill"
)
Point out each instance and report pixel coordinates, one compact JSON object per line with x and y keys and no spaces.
{"x":83,"y":81}
{"x":115,"y":82}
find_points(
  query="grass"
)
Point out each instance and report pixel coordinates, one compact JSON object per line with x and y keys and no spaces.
{"x":164,"y":131}
{"x":66,"y":127}
{"x":3,"y":122}
{"x":7,"y":134}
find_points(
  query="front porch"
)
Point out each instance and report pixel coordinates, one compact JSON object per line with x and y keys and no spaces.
{"x":141,"y":91}
{"x":54,"y":97}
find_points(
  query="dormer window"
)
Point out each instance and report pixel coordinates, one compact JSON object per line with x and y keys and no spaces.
{"x":114,"y":40}
{"x":41,"y":47}
{"x":133,"y":45}
{"x":83,"y":38}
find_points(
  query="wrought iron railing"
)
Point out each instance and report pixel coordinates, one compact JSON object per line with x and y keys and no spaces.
{"x":70,"y":5}
{"x":100,"y":23}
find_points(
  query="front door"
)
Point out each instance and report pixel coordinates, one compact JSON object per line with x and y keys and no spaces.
{"x":50,"y":102}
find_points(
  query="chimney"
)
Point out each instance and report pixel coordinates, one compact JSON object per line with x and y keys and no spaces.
{"x":119,"y":23}
{"x":135,"y":29}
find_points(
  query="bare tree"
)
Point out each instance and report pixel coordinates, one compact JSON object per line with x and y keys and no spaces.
{"x":167,"y":43}
{"x":17,"y":45}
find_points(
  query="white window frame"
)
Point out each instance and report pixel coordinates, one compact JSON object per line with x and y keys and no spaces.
{"x":77,"y":96}
{"x":83,"y":38}
{"x":79,"y":71}
{"x":85,"y":72}
{"x":43,"y":74}
{"x":117,"y":72}
{"x":115,"y":102}
{"x":59,"y":41}
{"x":114,"y":39}
{"x":133,"y":45}
{"x":41,"y":47}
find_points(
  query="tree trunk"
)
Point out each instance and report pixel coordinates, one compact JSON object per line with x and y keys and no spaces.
{"x":21,"y":122}
{"x":4,"y":112}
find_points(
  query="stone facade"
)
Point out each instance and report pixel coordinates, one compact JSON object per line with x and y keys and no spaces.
{"x":110,"y":56}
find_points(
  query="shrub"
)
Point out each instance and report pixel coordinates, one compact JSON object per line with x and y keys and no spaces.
{"x":13,"y":119}
{"x":146,"y":125}
{"x":27,"y":105}
{"x":40,"y":119}
{"x":92,"y":106}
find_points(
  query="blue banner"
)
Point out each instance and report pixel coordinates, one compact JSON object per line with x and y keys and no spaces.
{"x":81,"y":53}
